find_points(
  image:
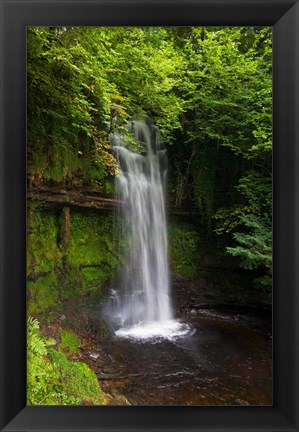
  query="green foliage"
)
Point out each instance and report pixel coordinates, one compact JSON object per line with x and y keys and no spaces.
{"x":52,"y":379}
{"x":254,"y":213}
{"x":147,"y":70}
{"x":91,"y":241}
{"x":80,"y":80}
{"x":233,"y":100}
{"x":255,"y":246}
{"x":69,"y":342}
{"x":41,"y":375}
{"x":183,"y":249}
{"x":231,"y":111}
{"x":77,"y":380}
{"x":209,"y":89}
{"x":42,"y":293}
{"x":227,"y":124}
{"x":68,"y":106}
{"x":204,"y":179}
{"x":43,"y":253}
{"x":256,"y":188}
{"x":256,"y":198}
{"x":43,"y":258}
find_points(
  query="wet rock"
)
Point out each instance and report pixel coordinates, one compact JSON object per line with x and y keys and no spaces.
{"x":94,"y":356}
{"x":241,"y":402}
{"x":105,"y":376}
{"x":118,"y":399}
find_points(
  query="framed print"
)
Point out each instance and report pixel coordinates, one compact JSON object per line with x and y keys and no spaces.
{"x":136,"y":218}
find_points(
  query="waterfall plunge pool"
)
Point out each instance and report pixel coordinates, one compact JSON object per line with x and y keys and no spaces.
{"x":155,"y":331}
{"x":220,"y":362}
{"x":226,"y":358}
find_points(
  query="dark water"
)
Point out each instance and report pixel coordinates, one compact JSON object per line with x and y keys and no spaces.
{"x":225,"y":362}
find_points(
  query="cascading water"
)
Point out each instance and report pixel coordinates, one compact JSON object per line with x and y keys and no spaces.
{"x":142,"y":306}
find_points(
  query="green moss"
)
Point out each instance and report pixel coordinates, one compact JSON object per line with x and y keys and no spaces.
{"x":43,"y":253}
{"x":54,"y":380}
{"x":109,"y":187}
{"x":68,"y":254}
{"x":77,"y":281}
{"x":71,"y":282}
{"x":42,"y":293}
{"x":91,"y":256}
{"x":184,"y":250}
{"x":69,"y":342}
{"x":77,"y":379}
{"x":63,"y":165}
{"x":91,"y":240}
{"x":94,"y":275}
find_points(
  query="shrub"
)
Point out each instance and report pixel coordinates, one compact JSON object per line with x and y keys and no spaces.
{"x":184,"y":254}
{"x":254,"y":248}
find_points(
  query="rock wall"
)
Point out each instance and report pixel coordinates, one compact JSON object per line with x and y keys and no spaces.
{"x":69,"y":252}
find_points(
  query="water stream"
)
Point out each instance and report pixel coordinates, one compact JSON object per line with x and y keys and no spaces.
{"x":141,"y":304}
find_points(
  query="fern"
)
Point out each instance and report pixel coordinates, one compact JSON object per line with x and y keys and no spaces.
{"x":40,"y":371}
{"x":255,"y":246}
{"x":54,"y":380}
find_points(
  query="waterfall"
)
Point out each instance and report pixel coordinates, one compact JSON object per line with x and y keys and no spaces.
{"x":141,"y":305}
{"x":141,"y":186}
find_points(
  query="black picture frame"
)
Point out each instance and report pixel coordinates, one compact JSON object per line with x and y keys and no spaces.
{"x":16,"y":15}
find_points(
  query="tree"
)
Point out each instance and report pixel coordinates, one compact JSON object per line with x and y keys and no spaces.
{"x":79,"y":78}
{"x":255,"y":248}
{"x":209,"y":89}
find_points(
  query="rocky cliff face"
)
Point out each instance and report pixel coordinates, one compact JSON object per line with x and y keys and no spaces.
{"x":70,"y":252}
{"x":73,"y":249}
{"x":85,"y":197}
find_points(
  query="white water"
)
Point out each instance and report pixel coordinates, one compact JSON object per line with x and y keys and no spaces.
{"x":142,"y":306}
{"x":169,"y":330}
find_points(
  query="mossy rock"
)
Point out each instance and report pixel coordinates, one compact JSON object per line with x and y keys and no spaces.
{"x":77,"y":380}
{"x":91,"y":241}
{"x":42,"y":293}
{"x":69,"y":253}
{"x":43,"y":253}
{"x":69,"y":342}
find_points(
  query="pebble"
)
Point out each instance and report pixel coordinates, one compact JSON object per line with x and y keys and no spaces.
{"x":94,"y":356}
